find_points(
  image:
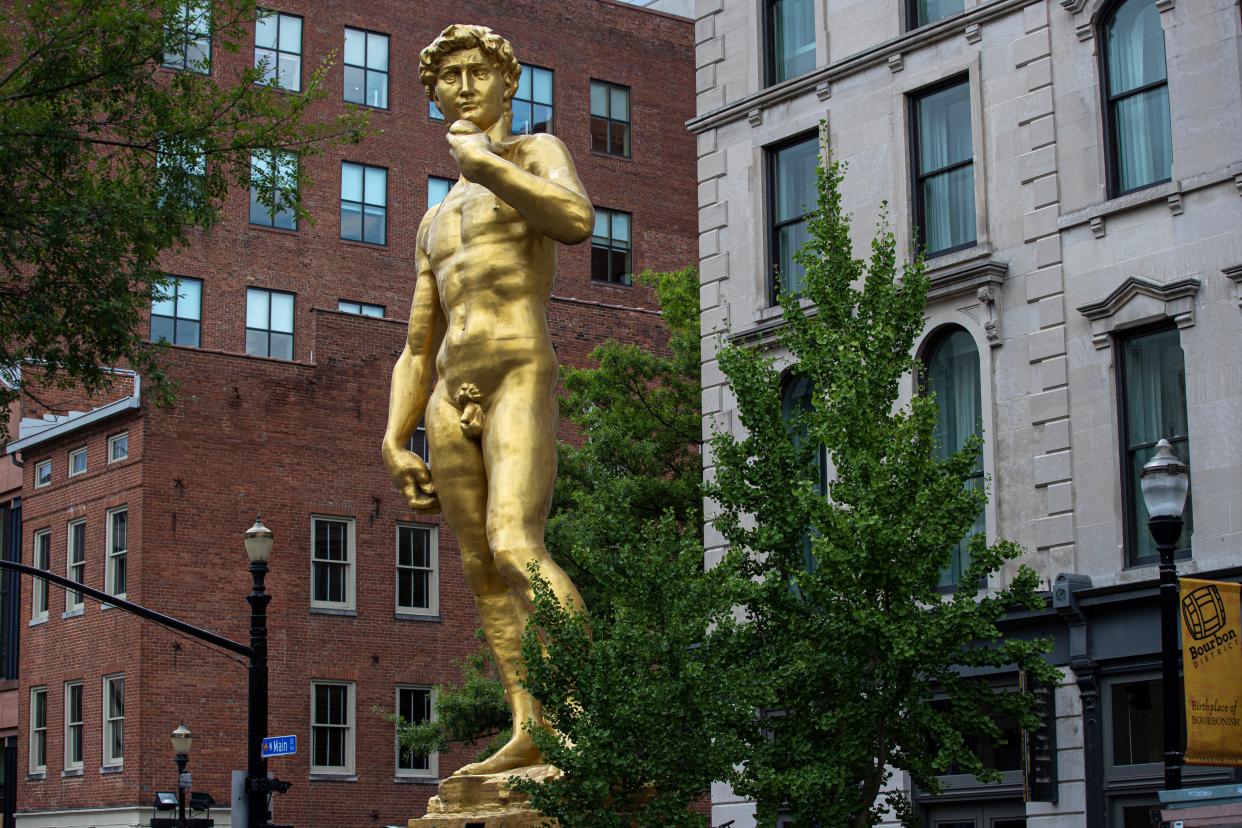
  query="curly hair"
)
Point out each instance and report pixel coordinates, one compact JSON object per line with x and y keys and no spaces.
{"x":465,"y":36}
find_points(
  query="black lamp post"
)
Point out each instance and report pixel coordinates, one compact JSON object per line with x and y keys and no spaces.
{"x":182,"y":738}
{"x":258,"y":549}
{"x":1165,"y":481}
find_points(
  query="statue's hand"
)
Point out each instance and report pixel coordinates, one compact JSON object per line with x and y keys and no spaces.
{"x":470,"y":147}
{"x":413,"y":479}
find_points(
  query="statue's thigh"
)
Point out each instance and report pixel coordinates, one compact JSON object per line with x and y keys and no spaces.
{"x":519,"y":448}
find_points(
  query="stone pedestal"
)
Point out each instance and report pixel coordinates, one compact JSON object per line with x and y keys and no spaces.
{"x":485,"y":801}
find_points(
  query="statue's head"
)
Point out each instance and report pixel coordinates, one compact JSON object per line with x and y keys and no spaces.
{"x":469,"y":71}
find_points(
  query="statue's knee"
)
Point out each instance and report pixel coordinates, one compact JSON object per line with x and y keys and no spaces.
{"x":513,"y":562}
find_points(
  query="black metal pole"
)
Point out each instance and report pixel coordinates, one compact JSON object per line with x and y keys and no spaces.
{"x":1166,"y":531}
{"x":182,"y":759}
{"x":256,"y":765}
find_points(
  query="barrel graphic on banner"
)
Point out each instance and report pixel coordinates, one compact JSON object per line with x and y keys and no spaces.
{"x":1212,"y":667}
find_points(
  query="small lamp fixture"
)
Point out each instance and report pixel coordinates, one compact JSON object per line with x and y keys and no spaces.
{"x":258,"y":542}
{"x":181,"y":740}
{"x":1165,"y":481}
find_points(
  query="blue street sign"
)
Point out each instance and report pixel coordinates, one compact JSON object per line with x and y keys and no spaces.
{"x":279,"y":746}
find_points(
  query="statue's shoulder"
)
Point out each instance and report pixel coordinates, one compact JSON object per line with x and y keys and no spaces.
{"x":539,"y":148}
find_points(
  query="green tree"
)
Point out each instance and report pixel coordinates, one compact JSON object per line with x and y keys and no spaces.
{"x":848,"y":639}
{"x":107,"y":160}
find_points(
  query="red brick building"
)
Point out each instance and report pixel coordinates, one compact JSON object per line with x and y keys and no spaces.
{"x":370,"y":610}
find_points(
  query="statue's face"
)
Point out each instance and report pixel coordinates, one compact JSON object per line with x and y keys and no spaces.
{"x":469,"y":87}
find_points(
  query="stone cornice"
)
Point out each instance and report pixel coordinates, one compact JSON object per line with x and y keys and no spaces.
{"x":1234,"y":273}
{"x":1137,"y":301}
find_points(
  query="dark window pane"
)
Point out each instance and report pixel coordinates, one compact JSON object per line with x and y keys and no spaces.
{"x":620,"y":269}
{"x":599,"y":263}
{"x":355,"y":84}
{"x":256,"y":342}
{"x":286,"y":219}
{"x":944,"y":128}
{"x":619,"y":139}
{"x":795,"y":179}
{"x":521,"y":117}
{"x":1138,"y":722}
{"x":793,"y":36}
{"x":405,"y":588}
{"x":162,"y":328}
{"x":351,"y":221}
{"x":281,"y":346}
{"x":1135,"y":47}
{"x":259,"y":212}
{"x":929,"y":11}
{"x":599,"y":134}
{"x":374,"y":219}
{"x":541,"y":121}
{"x":187,"y":333}
{"x":1144,"y":139}
{"x":789,"y":240}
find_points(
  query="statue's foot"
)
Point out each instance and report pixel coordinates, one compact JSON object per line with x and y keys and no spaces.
{"x":518,"y":752}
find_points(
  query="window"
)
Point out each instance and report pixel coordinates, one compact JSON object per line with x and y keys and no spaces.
{"x":360,"y":308}
{"x":73,"y":726}
{"x":952,"y":365}
{"x":366,"y":68}
{"x":176,"y":313}
{"x":38,"y":730}
{"x":610,"y":247}
{"x":532,"y":104}
{"x":1153,"y":398}
{"x":414,"y":706}
{"x":437,"y":190}
{"x":43,"y":474}
{"x":269,"y":323}
{"x":944,"y":189}
{"x":181,"y":172}
{"x":75,"y":564}
{"x":187,"y":37}
{"x":118,"y":547}
{"x":42,"y":560}
{"x":77,"y":462}
{"x":922,"y":12}
{"x":610,"y":118}
{"x":278,"y":49}
{"x":113,"y":720}
{"x":796,"y":401}
{"x":418,"y":441}
{"x":118,"y":447}
{"x":274,"y":189}
{"x":332,"y":563}
{"x":790,"y":38}
{"x":332,"y":727}
{"x":1139,"y":139}
{"x":792,"y":198}
{"x":1136,"y":710}
{"x":417,"y":584}
{"x":364,"y":200}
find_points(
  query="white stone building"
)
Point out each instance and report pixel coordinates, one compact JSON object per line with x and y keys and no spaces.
{"x":1077,"y":167}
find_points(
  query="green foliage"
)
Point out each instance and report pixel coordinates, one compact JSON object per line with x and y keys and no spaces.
{"x":849,"y":649}
{"x":100,"y":155}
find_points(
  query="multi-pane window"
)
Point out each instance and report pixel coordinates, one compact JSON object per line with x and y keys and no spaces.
{"x":332,"y":563}
{"x":332,"y":727}
{"x":532,"y":104}
{"x":414,"y":706}
{"x":922,"y":12}
{"x":360,"y":308}
{"x":118,"y":549}
{"x":610,"y":247}
{"x":113,"y":720}
{"x":73,"y":725}
{"x":790,"y":38}
{"x":181,"y":167}
{"x":610,"y":118}
{"x":1140,"y":139}
{"x":118,"y":447}
{"x":43,"y":474}
{"x":417,"y":585}
{"x":42,"y":560}
{"x":792,"y":198}
{"x":366,"y":68}
{"x":187,"y":36}
{"x":278,"y":49}
{"x":273,"y":189}
{"x":437,"y":190}
{"x":177,"y":312}
{"x":364,"y":203}
{"x":269,"y":323}
{"x":75,"y":564}
{"x":952,"y":365}
{"x":38,"y":730}
{"x":1153,"y":398}
{"x":77,"y":461}
{"x":944,"y":188}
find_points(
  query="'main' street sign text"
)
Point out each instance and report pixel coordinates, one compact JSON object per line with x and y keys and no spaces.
{"x":279,"y":746}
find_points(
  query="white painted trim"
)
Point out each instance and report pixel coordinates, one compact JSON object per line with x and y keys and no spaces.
{"x":433,"y":758}
{"x":433,"y":588}
{"x":351,"y":565}
{"x":350,"y":729}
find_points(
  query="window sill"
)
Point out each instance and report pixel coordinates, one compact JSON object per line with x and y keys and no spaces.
{"x":106,"y":606}
{"x":601,"y":283}
{"x":365,"y":245}
{"x":338,"y":611}
{"x":416,"y":780}
{"x":597,"y":154}
{"x":281,"y":230}
{"x":73,"y":613}
{"x":35,"y":622}
{"x":327,"y":776}
{"x":36,"y":776}
{"x":71,"y":772}
{"x":1119,"y":204}
{"x":414,"y":616}
{"x":965,"y":273}
{"x":111,"y":769}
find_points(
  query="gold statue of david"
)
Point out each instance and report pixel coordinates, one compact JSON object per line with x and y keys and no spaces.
{"x":478,"y":360}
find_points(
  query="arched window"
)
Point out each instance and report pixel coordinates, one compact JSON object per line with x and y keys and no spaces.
{"x":952,"y":364}
{"x":796,"y":395}
{"x":1136,"y":91}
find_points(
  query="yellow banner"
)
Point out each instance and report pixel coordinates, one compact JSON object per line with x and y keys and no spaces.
{"x":1212,"y":666}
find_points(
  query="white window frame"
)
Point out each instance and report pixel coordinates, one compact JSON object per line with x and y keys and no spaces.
{"x":39,"y":591}
{"x":111,"y":555}
{"x":349,"y":564}
{"x":43,"y":464}
{"x":70,"y":763}
{"x":433,"y":581}
{"x":78,"y":452}
{"x":348,"y":727}
{"x":113,"y":442}
{"x":432,"y":771}
{"x":70,"y":604}
{"x":111,"y":721}
{"x":37,"y":734}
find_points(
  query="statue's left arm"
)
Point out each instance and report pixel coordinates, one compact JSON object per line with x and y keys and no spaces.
{"x":545,"y":190}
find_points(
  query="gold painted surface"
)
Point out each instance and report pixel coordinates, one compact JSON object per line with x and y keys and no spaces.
{"x":478,"y":361}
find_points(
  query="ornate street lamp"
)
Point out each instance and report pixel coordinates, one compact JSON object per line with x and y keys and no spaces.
{"x":258,"y":549}
{"x":182,"y":739}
